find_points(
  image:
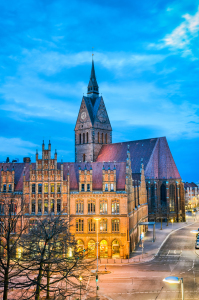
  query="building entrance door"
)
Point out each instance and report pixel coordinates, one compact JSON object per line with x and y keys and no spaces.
{"x":91,"y":248}
{"x":103,"y":249}
{"x":115,"y":249}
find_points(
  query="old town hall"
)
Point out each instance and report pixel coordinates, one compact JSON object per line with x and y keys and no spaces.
{"x":111,"y":188}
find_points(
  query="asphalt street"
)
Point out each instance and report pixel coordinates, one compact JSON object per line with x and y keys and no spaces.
{"x":143,"y":281}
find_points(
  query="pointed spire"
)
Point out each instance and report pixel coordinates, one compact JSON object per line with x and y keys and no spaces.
{"x":93,"y":89}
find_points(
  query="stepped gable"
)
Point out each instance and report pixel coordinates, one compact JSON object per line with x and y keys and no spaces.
{"x":153,"y":153}
{"x":19,"y":168}
{"x":97,"y":174}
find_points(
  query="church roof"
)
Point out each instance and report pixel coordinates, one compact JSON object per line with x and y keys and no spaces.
{"x":153,"y":153}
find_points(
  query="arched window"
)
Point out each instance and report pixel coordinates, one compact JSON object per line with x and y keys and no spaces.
{"x":115,"y":225}
{"x":46,"y":206}
{"x":106,"y":138}
{"x":39,"y":206}
{"x":115,"y":206}
{"x":91,"y":225}
{"x":91,"y":206}
{"x":163,"y":195}
{"x":103,"y":207}
{"x":80,"y":138}
{"x":83,"y":138}
{"x":52,"y":206}
{"x":172,"y":197}
{"x":87,"y":137}
{"x":33,"y":207}
{"x":98,"y":137}
{"x":103,"y":225}
{"x":102,"y":138}
{"x":152,"y":196}
{"x":79,"y":207}
{"x":84,"y":157}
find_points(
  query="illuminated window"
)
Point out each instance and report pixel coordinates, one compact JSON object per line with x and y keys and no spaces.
{"x":52,"y":187}
{"x":115,"y":207}
{"x":39,"y":206}
{"x":80,"y":225}
{"x":106,"y":187}
{"x":115,"y":225}
{"x":52,"y":206}
{"x":103,"y":207}
{"x":59,"y":188}
{"x":79,"y":207}
{"x":91,"y":206}
{"x":112,"y":187}
{"x":103,"y":225}
{"x":45,"y":187}
{"x":91,"y":225}
{"x":172,"y":197}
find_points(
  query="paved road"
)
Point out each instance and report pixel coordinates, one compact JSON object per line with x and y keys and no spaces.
{"x":144,"y":281}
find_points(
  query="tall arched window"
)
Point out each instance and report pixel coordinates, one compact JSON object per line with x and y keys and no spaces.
{"x":106,"y":138}
{"x":172,"y":197}
{"x":152,"y":196}
{"x":80,"y":138}
{"x":84,"y":157}
{"x":102,"y":138}
{"x":103,"y":225}
{"x":91,"y":225}
{"x":83,"y":138}
{"x":98,"y":137}
{"x":87,"y":137}
{"x":163,"y":195}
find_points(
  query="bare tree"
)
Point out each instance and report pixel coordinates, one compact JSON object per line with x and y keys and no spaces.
{"x":11,"y":229}
{"x":50,"y":252}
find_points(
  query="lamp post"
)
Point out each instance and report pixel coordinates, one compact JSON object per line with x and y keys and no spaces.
{"x":173,"y":279}
{"x":97,"y":219}
{"x":80,"y":280}
{"x":172,"y":223}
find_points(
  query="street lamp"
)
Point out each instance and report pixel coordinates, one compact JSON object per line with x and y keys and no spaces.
{"x":173,"y":279}
{"x":80,"y":280}
{"x":97,"y":219}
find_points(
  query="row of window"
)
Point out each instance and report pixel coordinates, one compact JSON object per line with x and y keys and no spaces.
{"x":86,"y":188}
{"x":52,"y":187}
{"x":102,"y":225}
{"x":12,"y":208}
{"x":115,"y":207}
{"x":46,"y":204}
{"x":5,"y":188}
{"x":83,"y":138}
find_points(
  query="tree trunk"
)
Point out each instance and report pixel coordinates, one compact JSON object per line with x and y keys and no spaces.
{"x":5,"y":291}
{"x":48,"y":283}
{"x":39,"y":277}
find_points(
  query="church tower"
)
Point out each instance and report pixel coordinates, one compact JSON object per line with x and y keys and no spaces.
{"x":93,"y":128}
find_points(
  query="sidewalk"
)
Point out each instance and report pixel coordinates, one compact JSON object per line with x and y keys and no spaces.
{"x":150,"y":248}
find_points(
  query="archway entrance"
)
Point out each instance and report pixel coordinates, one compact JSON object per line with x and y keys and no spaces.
{"x":115,"y":249}
{"x":104,"y":249}
{"x":80,"y":246}
{"x":91,"y":248}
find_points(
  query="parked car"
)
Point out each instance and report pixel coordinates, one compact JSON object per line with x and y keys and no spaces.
{"x":197,"y":244}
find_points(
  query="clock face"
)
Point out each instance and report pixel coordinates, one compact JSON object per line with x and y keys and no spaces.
{"x":83,"y":115}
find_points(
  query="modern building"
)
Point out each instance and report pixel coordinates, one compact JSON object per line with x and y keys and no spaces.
{"x":108,"y":189}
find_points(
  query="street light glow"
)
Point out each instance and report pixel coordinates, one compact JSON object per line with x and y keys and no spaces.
{"x":194,"y":231}
{"x":171,"y":279}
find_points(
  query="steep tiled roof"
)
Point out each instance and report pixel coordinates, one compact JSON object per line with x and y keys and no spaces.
{"x":153,"y":153}
{"x":190,"y":184}
{"x":92,"y":105}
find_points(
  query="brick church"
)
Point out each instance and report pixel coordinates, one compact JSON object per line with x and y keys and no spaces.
{"x":111,"y":188}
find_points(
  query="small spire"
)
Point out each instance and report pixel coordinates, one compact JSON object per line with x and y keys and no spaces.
{"x":49,"y":142}
{"x":93,"y":88}
{"x":43,"y":142}
{"x":85,"y":167}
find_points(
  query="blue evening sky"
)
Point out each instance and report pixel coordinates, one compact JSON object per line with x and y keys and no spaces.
{"x":146,"y":60}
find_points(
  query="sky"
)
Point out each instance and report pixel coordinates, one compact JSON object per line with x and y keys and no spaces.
{"x":146,"y":57}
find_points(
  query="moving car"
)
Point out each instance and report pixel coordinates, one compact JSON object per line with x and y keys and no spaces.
{"x":197,"y":244}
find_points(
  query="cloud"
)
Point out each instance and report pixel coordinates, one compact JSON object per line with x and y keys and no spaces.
{"x":53,"y":62}
{"x":17,"y":146}
{"x":146,"y":106}
{"x":181,"y":37}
